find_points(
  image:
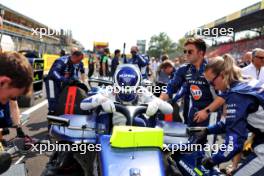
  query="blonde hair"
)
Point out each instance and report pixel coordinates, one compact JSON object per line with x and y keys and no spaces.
{"x":226,"y":66}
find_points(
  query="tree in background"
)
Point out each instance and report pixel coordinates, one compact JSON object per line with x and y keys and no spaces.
{"x":180,"y":47}
{"x":161,"y":44}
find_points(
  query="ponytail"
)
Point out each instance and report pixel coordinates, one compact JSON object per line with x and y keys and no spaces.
{"x":231,"y":71}
{"x":226,"y":66}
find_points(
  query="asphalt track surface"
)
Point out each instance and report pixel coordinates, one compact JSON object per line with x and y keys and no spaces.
{"x":36,"y":127}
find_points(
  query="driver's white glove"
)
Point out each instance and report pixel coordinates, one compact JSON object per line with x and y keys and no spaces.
{"x":152,"y":108}
{"x":109,"y":106}
{"x":157,"y":104}
{"x":93,"y":102}
{"x":97,"y":100}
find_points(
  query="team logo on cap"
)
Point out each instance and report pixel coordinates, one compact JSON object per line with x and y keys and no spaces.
{"x":196,"y":92}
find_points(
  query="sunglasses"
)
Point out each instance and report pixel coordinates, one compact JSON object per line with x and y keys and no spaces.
{"x":260,"y":57}
{"x":213,"y":80}
{"x":188,"y":51}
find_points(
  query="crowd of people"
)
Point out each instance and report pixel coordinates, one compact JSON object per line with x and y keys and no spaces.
{"x":103,"y":64}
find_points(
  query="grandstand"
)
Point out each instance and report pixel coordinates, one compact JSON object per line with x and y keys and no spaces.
{"x":237,"y":48}
{"x":247,"y":19}
{"x":18,"y":28}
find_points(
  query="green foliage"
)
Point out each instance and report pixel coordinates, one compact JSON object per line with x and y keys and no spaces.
{"x":161,"y":44}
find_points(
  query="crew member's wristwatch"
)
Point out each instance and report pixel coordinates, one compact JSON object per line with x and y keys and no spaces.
{"x":208,"y":111}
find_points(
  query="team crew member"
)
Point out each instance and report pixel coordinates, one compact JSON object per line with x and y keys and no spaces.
{"x":79,"y":71}
{"x":199,"y":94}
{"x":62,"y":71}
{"x":254,"y":70}
{"x":139,"y":60}
{"x":16,"y":78}
{"x":242,"y":98}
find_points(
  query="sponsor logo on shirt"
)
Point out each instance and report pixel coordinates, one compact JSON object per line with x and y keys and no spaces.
{"x":196,"y":92}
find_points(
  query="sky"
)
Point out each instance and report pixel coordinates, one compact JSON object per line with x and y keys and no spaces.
{"x":119,"y":21}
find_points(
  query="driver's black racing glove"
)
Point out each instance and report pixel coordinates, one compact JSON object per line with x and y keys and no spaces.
{"x":208,"y":163}
{"x":199,"y":137}
{"x":20,"y":132}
